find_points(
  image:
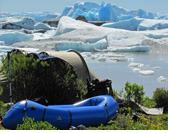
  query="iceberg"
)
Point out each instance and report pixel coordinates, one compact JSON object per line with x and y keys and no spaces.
{"x":81,"y":46}
{"x":36,"y":16}
{"x":106,"y":12}
{"x":72,"y":24}
{"x":129,"y":49}
{"x":138,"y":24}
{"x":82,"y":36}
{"x":21,"y":22}
{"x":11,"y":36}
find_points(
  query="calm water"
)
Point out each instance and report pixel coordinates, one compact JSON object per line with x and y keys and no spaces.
{"x":120,"y":73}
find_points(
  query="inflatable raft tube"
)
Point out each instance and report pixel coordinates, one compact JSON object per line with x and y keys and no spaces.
{"x":90,"y":112}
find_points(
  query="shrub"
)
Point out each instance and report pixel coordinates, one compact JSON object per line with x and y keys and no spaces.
{"x":149,"y":102}
{"x":134,"y":92}
{"x":160,"y":96}
{"x":29,"y":124}
{"x":53,"y":79}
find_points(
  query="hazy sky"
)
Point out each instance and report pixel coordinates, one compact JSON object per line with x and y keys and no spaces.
{"x":59,"y":5}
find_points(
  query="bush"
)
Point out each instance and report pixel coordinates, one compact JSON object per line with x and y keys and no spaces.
{"x":149,"y":102}
{"x":54,"y":80}
{"x":29,"y":124}
{"x":160,"y":96}
{"x":134,"y":92}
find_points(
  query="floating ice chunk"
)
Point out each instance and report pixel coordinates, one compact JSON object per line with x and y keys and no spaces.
{"x":122,"y":59}
{"x":133,"y":64}
{"x":102,"y":59}
{"x":81,"y":46}
{"x":46,"y":35}
{"x":146,"y":72}
{"x":2,"y":43}
{"x":156,"y":67}
{"x":93,"y":57}
{"x":161,"y":79}
{"x":136,"y":69}
{"x":131,"y":49}
{"x":139,"y":24}
{"x":131,"y":24}
{"x":151,"y":24}
{"x":10,"y":37}
{"x":29,"y":49}
{"x":130,"y":59}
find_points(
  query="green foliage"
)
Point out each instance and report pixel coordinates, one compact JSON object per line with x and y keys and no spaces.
{"x":3,"y":110}
{"x":124,"y":122}
{"x":149,"y":102}
{"x":53,"y":80}
{"x":1,"y":89}
{"x":160,"y":96}
{"x":134,"y":92}
{"x":30,"y":124}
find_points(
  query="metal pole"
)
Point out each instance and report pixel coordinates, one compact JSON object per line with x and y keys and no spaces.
{"x":10,"y":77}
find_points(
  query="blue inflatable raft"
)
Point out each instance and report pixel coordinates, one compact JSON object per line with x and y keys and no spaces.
{"x":90,"y":112}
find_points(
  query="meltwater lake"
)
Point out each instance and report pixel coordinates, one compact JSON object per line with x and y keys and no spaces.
{"x":121,"y":67}
{"x":120,"y":72}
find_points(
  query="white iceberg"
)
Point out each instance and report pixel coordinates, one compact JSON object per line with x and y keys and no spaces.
{"x":117,"y":40}
{"x":139,"y":24}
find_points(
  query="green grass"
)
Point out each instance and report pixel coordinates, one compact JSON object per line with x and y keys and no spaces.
{"x":124,"y":122}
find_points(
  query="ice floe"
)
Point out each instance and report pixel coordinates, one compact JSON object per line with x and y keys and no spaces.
{"x":133,"y":64}
{"x":161,"y":79}
{"x":146,"y":72}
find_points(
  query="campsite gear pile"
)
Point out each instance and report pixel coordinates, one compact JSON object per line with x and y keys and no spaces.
{"x":96,"y":87}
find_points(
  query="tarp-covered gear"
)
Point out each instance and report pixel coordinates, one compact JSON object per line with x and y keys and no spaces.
{"x":96,"y":87}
